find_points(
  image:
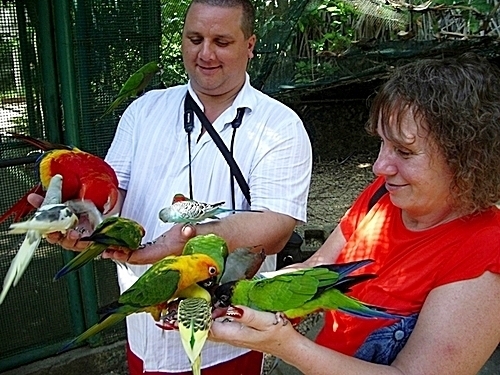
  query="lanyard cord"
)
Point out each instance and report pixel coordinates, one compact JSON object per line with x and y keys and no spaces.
{"x":190,"y":106}
{"x":188,"y":127}
{"x":235,"y":124}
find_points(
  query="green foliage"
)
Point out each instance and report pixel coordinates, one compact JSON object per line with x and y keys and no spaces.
{"x":172,"y":15}
{"x":7,"y":50}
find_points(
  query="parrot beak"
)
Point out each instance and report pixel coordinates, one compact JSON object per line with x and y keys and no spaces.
{"x":208,"y":283}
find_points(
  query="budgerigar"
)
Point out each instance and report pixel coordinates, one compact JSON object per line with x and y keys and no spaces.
{"x":185,"y":210}
{"x":194,"y":317}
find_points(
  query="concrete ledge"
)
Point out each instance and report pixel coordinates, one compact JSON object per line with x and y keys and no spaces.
{"x":104,"y":360}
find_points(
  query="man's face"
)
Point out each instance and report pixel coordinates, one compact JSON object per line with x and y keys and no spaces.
{"x":214,"y":49}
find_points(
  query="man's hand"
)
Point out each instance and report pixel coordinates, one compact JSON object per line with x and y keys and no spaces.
{"x":169,"y":243}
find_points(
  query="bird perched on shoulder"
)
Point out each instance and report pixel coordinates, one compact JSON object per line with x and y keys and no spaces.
{"x":85,"y":177}
{"x":117,"y":232}
{"x":52,"y":216}
{"x":160,"y":284}
{"x":134,"y":85}
{"x":298,"y":293}
{"x":185,"y":210}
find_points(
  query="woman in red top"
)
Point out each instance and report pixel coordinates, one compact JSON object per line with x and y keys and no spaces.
{"x":429,"y":221}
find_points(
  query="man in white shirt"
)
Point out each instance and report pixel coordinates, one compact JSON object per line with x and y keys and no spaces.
{"x":150,"y":156}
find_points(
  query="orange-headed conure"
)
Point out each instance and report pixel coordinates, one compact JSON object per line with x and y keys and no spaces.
{"x":185,"y":210}
{"x":115,"y":232}
{"x":134,"y":85}
{"x":52,"y":216}
{"x":152,"y":292}
{"x":302,"y":292}
{"x":211,"y":245}
{"x":85,"y":177}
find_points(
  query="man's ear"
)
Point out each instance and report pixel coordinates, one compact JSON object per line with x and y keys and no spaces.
{"x":251,"y":45}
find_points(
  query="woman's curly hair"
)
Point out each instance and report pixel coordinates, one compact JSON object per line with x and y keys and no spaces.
{"x":458,"y":101}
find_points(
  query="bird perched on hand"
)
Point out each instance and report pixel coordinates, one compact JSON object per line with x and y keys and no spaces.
{"x":194,"y":317}
{"x":85,"y":177}
{"x":160,"y":284}
{"x":134,"y":85}
{"x":185,"y":210}
{"x":52,"y":216}
{"x":209,"y":244}
{"x":298,"y":293}
{"x":117,"y":232}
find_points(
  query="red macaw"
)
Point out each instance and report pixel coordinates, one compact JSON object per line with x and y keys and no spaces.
{"x":85,"y":177}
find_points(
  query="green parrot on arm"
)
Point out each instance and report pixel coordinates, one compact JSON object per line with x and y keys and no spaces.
{"x":134,"y":85}
{"x":111,"y":232}
{"x":194,"y":318}
{"x":152,"y":292}
{"x":298,"y":293}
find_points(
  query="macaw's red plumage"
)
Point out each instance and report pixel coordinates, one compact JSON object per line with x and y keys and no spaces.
{"x":85,"y":176}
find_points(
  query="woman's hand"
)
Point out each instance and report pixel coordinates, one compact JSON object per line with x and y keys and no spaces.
{"x":256,"y":330}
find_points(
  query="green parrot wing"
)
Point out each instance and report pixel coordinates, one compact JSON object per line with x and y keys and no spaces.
{"x":281,"y":292}
{"x":157,"y":285}
{"x":289,"y":290}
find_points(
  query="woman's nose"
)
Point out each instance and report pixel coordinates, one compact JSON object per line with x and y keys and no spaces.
{"x":384,"y":164}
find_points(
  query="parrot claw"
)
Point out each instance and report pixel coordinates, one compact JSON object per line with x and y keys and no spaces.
{"x":280,"y":317}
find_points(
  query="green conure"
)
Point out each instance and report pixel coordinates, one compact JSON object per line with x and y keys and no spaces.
{"x":134,"y":85}
{"x":115,"y":232}
{"x":302,"y":292}
{"x":194,"y":317}
{"x":160,"y":284}
{"x":211,"y":245}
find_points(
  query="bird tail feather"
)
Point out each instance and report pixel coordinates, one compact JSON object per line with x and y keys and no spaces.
{"x":20,"y":262}
{"x":80,"y":260}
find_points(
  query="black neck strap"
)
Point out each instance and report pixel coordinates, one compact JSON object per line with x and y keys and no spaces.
{"x":191,"y":108}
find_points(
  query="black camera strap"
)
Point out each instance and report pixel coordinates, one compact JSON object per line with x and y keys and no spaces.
{"x":191,"y":107}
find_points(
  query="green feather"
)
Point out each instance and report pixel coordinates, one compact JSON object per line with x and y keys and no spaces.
{"x":211,"y":245}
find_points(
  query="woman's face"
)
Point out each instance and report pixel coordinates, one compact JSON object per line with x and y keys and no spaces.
{"x":416,"y":173}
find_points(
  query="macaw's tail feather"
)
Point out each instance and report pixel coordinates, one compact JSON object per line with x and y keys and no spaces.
{"x":39,"y":143}
{"x":20,"y":262}
{"x":92,"y":251}
{"x":22,"y":207}
{"x":96,"y":328}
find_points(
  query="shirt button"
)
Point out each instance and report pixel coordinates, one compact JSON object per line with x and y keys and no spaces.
{"x":399,"y":335}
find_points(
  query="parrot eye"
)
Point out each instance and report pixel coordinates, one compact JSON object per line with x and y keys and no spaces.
{"x":212,"y":270}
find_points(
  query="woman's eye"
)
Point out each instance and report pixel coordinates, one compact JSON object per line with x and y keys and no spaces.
{"x":404,"y":153}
